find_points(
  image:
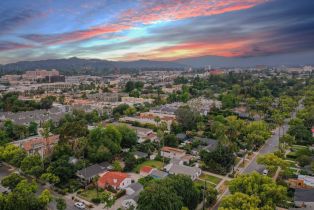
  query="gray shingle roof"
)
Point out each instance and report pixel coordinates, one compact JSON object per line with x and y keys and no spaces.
{"x":90,"y":171}
{"x":182,"y":169}
{"x":158,"y":174}
{"x":136,"y":187}
{"x":306,"y":195}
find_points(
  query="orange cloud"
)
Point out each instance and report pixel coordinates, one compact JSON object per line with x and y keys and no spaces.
{"x":151,"y":11}
{"x":235,"y":48}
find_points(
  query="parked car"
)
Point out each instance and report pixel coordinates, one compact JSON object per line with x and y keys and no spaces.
{"x":265,"y":172}
{"x":79,"y":205}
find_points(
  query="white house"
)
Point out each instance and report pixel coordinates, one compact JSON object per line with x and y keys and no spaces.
{"x":170,"y":152}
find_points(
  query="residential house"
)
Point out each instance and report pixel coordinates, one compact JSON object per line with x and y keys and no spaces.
{"x":139,"y":155}
{"x":146,"y":170}
{"x":87,"y":174}
{"x":106,"y":165}
{"x":133,"y":100}
{"x":170,"y":152}
{"x":206,"y":144}
{"x":37,"y":144}
{"x":203,"y":105}
{"x":167,"y":108}
{"x":133,"y":188}
{"x":302,"y":182}
{"x":192,"y":172}
{"x":304,"y":198}
{"x":116,"y":180}
{"x":144,"y":134}
{"x":130,"y":201}
{"x":157,"y":174}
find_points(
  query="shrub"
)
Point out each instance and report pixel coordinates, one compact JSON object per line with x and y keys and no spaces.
{"x":96,"y":200}
{"x":120,"y":194}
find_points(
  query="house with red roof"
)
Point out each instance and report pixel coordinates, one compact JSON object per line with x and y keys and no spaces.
{"x":115,"y":179}
{"x":146,"y":170}
{"x":37,"y":144}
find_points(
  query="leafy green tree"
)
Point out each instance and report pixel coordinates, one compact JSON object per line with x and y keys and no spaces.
{"x":32,"y":128}
{"x":45,"y":198}
{"x":61,"y":204}
{"x":12,"y":180}
{"x":12,"y":154}
{"x":301,"y":133}
{"x":187,"y":118}
{"x":170,"y":193}
{"x":210,"y":196}
{"x":263,"y":187}
{"x":129,"y":137}
{"x":130,"y":162}
{"x":304,"y":160}
{"x":184,"y":188}
{"x":51,"y":178}
{"x":107,"y":198}
{"x":62,"y":169}
{"x":109,"y":137}
{"x":129,"y":111}
{"x":46,"y":103}
{"x":129,"y":86}
{"x":32,"y":165}
{"x":3,"y":137}
{"x":170,"y":140}
{"x":116,"y":166}
{"x":287,"y":139}
{"x":220,"y":160}
{"x":239,"y":201}
{"x":159,"y":197}
{"x":271,"y":161}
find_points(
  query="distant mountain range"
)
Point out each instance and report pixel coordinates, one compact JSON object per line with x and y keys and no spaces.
{"x":94,"y":66}
{"x":88,"y":65}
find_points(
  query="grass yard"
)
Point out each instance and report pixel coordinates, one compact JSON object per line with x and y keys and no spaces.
{"x":210,"y":178}
{"x":199,"y":183}
{"x":88,"y":194}
{"x":237,"y":160}
{"x":151,"y":163}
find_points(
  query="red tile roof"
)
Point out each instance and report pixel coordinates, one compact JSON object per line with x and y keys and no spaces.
{"x":28,"y":145}
{"x":112,"y":178}
{"x":146,"y":169}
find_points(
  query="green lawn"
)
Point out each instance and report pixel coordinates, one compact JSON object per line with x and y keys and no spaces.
{"x":210,"y":178}
{"x":89,"y":194}
{"x":298,"y":147}
{"x":238,"y":159}
{"x":151,"y":163}
{"x":199,"y":183}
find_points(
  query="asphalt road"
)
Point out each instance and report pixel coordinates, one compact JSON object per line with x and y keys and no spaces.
{"x":270,"y":146}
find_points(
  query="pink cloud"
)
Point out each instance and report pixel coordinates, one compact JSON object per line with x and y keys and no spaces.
{"x":5,"y":46}
{"x":76,"y":35}
{"x":149,"y":12}
{"x":152,"y":11}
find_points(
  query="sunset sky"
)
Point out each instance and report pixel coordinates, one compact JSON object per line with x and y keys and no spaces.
{"x":153,"y":29}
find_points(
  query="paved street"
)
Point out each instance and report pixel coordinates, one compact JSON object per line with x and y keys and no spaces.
{"x":270,"y":146}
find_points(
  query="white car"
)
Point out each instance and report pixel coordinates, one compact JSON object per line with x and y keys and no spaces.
{"x":265,"y":172}
{"x":79,"y":205}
